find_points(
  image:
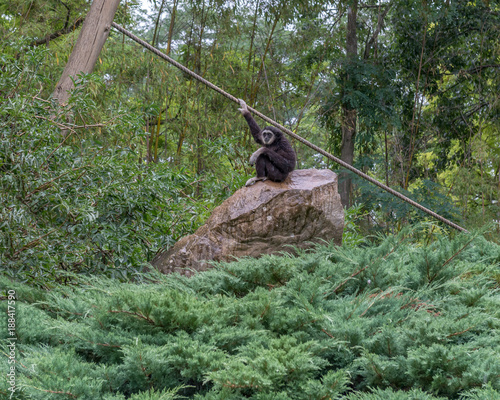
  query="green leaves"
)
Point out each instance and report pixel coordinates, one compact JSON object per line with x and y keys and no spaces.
{"x":276,"y":364}
{"x":362,"y":323}
{"x":70,"y":205}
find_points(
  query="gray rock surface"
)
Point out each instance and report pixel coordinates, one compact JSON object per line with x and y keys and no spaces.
{"x":264,"y":218}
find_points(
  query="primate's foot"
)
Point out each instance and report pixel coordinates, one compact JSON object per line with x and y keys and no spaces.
{"x":253,"y":180}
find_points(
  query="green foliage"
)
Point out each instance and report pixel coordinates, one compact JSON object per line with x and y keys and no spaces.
{"x":368,"y":88}
{"x":398,"y":320}
{"x":71,"y":204}
{"x":388,"y":210}
{"x":457,"y":96}
{"x":287,"y":59}
{"x":351,"y":235}
{"x":45,"y":17}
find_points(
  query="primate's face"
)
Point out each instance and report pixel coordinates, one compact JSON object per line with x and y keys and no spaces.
{"x":267,"y":137}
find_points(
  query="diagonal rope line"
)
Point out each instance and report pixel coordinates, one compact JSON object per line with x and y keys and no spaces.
{"x":288,"y":131}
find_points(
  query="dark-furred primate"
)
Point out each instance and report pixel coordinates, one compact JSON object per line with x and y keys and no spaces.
{"x":276,"y":158}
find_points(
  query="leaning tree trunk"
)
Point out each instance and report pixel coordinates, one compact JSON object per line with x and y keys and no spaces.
{"x":348,"y":113}
{"x":86,"y":52}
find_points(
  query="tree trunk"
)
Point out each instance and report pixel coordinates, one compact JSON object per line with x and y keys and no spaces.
{"x":171,"y":27}
{"x":154,"y":42}
{"x":373,"y":40}
{"x":92,"y":37}
{"x":348,"y":113}
{"x":255,"y":89}
{"x":252,"y":38}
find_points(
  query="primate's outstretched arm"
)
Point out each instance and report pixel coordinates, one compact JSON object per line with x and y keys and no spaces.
{"x":254,"y":127}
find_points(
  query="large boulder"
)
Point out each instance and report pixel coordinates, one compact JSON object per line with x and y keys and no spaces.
{"x":265,"y":218}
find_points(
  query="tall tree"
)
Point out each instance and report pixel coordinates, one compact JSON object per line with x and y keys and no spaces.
{"x":348,"y":111}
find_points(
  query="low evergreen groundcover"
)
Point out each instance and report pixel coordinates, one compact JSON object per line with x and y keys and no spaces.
{"x":396,"y":320}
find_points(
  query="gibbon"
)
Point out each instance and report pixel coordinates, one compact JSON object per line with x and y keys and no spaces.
{"x":276,"y":158}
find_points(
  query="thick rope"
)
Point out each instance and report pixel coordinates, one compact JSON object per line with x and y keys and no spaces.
{"x":288,"y":131}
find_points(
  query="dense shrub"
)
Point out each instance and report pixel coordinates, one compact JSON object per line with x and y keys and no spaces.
{"x":397,"y":320}
{"x":71,"y":203}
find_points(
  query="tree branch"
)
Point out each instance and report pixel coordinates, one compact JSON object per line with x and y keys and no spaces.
{"x":369,"y":6}
{"x":60,"y":32}
{"x":377,"y":31}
